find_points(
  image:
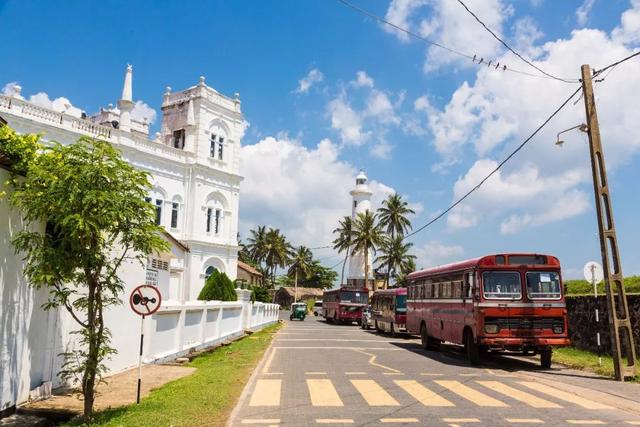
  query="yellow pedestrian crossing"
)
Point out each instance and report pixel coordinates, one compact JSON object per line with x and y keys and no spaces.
{"x":563,"y":395}
{"x":516,"y":394}
{"x":266,"y":393}
{"x":470,"y":394}
{"x":373,"y":393}
{"x":323,"y":393}
{"x":422,"y":394}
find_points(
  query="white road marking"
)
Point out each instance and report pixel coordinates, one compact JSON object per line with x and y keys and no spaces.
{"x":514,"y":393}
{"x":266,"y":393}
{"x":422,"y":394}
{"x":470,"y":394}
{"x":267,"y":365}
{"x":373,"y":393}
{"x":323,"y":393}
{"x":563,"y":395}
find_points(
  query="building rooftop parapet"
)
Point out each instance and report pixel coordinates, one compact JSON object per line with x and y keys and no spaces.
{"x":200,"y":91}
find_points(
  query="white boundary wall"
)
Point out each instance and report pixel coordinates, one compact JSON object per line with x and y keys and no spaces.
{"x":32,"y":339}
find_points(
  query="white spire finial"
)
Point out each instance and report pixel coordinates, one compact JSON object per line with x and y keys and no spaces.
{"x":127,"y":90}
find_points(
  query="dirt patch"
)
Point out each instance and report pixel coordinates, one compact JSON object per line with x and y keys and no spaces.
{"x":119,"y":390}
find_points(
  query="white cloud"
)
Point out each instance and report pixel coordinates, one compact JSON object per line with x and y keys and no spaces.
{"x":382,"y":150}
{"x":60,"y":104}
{"x":362,"y":80}
{"x":304,"y":84}
{"x":347,"y":121}
{"x":141,"y":112}
{"x":629,"y":30}
{"x":582,"y":13}
{"x":380,"y":107}
{"x":434,"y":253}
{"x":398,"y":13}
{"x":489,"y":117}
{"x":303,"y":191}
{"x":12,"y":89}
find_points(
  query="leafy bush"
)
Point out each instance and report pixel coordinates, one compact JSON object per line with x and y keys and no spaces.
{"x":582,"y":287}
{"x":260,"y":294}
{"x":218,"y":287}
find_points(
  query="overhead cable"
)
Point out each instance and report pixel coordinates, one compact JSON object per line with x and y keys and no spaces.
{"x":497,"y":168}
{"x":491,"y":64}
{"x":526,"y":61}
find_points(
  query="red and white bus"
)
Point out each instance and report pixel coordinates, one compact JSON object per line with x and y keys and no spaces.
{"x":389,"y":310}
{"x":344,"y":305}
{"x":511,"y":302}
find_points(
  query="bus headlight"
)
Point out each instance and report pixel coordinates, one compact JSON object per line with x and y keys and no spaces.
{"x":558,"y":329}
{"x":491,"y":329}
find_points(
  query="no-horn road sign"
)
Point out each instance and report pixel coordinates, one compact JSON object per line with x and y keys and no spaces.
{"x":145,"y":300}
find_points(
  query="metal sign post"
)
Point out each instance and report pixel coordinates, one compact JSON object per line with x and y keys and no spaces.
{"x":594,"y":273}
{"x":144,"y":301}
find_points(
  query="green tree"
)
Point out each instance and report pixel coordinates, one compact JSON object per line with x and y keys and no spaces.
{"x":395,"y":253}
{"x":393,"y":218}
{"x":367,"y":235}
{"x":405,"y":270}
{"x":300,"y":266}
{"x":342,"y":243}
{"x":218,"y":287}
{"x":260,"y":294}
{"x":257,"y":244}
{"x":97,"y":219}
{"x":277,"y":252}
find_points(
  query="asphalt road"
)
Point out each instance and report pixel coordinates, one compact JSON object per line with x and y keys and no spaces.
{"x":322,"y":374}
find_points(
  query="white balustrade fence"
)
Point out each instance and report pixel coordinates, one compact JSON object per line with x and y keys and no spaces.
{"x":177,"y":329}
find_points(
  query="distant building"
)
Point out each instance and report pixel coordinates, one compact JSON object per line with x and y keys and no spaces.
{"x":247,"y":275}
{"x":285,"y":295}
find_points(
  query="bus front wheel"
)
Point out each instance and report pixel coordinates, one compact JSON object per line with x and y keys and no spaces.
{"x":545,"y":358}
{"x":428,"y":343}
{"x":471,"y":348}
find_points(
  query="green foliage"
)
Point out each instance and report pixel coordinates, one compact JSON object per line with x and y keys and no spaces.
{"x":93,"y":203}
{"x":204,"y":398}
{"x":342,"y":243}
{"x":260,"y":294}
{"x":367,"y":235}
{"x":218,"y":287}
{"x":19,"y":150}
{"x":582,"y":287}
{"x":393,"y":218}
{"x":395,"y":253}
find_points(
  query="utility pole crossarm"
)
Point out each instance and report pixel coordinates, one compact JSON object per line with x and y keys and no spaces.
{"x":619,"y":320}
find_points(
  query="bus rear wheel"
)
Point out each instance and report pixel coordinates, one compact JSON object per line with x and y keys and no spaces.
{"x":393,"y":331}
{"x":471,"y":348}
{"x":545,"y":358}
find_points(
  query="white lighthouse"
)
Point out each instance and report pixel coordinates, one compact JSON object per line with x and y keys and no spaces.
{"x":361,"y":202}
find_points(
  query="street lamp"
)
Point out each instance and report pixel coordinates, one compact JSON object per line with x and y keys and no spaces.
{"x":582,"y":127}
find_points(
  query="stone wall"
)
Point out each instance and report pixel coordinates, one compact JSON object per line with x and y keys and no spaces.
{"x":582,"y":325}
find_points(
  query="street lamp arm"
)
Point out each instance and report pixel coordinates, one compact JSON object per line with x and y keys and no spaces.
{"x":583,"y":127}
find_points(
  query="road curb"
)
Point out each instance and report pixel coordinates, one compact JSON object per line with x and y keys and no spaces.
{"x":252,"y":380}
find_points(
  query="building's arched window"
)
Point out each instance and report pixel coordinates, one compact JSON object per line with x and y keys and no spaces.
{"x":217,"y":142}
{"x":214,"y":213}
{"x":175,"y":211}
{"x":157,"y":198}
{"x":208,"y":272}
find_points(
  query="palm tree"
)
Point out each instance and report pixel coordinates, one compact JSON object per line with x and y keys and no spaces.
{"x":277,"y":252}
{"x":405,"y":269}
{"x":393,"y":217}
{"x":366,"y":235}
{"x":301,"y":262}
{"x":257,"y":244}
{"x":343,"y":241}
{"x":395,"y":253}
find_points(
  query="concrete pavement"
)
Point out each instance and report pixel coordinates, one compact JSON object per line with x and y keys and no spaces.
{"x":322,"y":374}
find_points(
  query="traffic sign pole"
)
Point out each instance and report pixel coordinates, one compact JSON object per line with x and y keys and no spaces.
{"x":140,"y":360}
{"x":144,"y":301}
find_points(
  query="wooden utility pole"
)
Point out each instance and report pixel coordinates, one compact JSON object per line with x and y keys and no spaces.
{"x":619,"y":321}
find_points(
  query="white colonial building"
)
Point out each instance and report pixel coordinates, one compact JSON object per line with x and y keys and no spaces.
{"x":193,"y":162}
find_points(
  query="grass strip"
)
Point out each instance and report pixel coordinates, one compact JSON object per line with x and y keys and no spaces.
{"x":585,"y":360}
{"x":205,"y":397}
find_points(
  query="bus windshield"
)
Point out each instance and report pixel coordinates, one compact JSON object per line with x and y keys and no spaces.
{"x":543,"y":285}
{"x":354,"y":296}
{"x":401,"y":304}
{"x":502,"y":285}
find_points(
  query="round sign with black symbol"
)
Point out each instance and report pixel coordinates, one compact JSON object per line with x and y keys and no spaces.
{"x":145,"y":300}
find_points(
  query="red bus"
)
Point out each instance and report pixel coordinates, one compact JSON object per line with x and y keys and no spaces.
{"x":506,"y":302}
{"x":389,"y":310}
{"x":344,"y":305}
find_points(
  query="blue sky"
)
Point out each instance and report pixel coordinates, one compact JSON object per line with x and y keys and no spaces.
{"x":420,"y":121}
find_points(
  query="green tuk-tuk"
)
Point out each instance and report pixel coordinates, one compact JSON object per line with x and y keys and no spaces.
{"x":298,"y":311}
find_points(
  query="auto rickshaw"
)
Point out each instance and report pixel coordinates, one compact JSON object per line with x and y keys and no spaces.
{"x":298,"y":311}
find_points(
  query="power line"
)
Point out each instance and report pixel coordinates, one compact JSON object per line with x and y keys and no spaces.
{"x":480,"y":61}
{"x":600,"y":71}
{"x":526,"y":61}
{"x":502,"y":163}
